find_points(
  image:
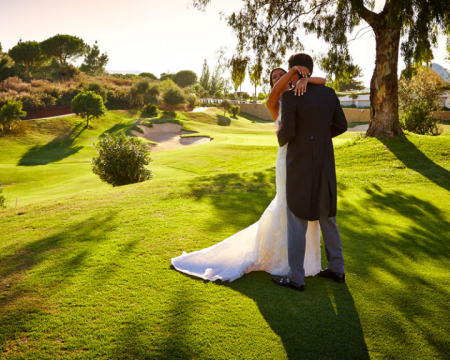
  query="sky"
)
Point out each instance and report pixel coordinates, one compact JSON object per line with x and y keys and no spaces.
{"x":157,"y":36}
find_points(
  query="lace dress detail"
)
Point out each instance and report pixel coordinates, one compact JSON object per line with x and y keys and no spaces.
{"x":260,"y":247}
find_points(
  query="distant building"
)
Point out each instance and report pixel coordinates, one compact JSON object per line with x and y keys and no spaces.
{"x":443,"y":73}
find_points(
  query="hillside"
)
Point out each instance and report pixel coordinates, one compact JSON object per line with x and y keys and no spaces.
{"x":51,"y":158}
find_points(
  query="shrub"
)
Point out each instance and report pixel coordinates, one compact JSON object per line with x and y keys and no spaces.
{"x":7,"y":68}
{"x":66,"y":72}
{"x":174,"y":96}
{"x":121,"y":160}
{"x":418,"y":98}
{"x":142,"y":91}
{"x":226,"y":106}
{"x":166,"y":77}
{"x":153,"y":100}
{"x":192,"y":100}
{"x":10,"y":113}
{"x":235,"y":110}
{"x":231,"y":96}
{"x":198,"y":88}
{"x":16,"y":84}
{"x":99,"y":89}
{"x":31,"y":102}
{"x":418,"y":118}
{"x":148,"y":75}
{"x":118,"y":99}
{"x":151,"y":110}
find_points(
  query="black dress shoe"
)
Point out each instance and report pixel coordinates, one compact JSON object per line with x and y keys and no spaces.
{"x":286,"y":281}
{"x":338,"y":277}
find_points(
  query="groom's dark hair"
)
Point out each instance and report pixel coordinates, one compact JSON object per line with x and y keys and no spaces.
{"x":301,"y":60}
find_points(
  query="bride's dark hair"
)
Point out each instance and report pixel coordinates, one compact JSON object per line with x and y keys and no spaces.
{"x":270,"y":78}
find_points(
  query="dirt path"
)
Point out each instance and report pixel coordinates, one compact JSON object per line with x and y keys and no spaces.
{"x":359,"y":128}
{"x":168,"y":136}
{"x":50,"y":117}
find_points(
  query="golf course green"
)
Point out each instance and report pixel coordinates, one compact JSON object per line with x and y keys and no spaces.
{"x":85,"y":268}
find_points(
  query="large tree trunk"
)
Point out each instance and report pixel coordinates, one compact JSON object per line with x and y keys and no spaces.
{"x":384,"y":84}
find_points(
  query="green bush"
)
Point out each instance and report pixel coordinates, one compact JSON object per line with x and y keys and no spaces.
{"x":174,"y":96}
{"x":142,"y":91}
{"x":99,"y":89}
{"x":118,"y":99}
{"x":10,"y":113}
{"x":226,"y":106}
{"x":418,"y":118}
{"x":192,"y":100}
{"x":67,"y":72}
{"x":121,"y":160}
{"x":235,"y":110}
{"x":166,"y":76}
{"x":418,"y":98}
{"x":153,"y":100}
{"x":151,"y":110}
{"x":148,"y":75}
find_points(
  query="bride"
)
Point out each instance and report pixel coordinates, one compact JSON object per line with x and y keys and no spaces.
{"x":263,"y":245}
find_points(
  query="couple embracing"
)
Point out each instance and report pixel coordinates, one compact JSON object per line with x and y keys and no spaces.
{"x":286,"y":239}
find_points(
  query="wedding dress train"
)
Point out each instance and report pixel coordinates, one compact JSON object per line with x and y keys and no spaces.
{"x":260,"y":247}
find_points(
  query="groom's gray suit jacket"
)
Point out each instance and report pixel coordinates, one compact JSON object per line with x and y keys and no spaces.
{"x":309,"y":122}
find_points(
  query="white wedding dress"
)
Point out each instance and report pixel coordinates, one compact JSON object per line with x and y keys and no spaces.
{"x":260,"y":247}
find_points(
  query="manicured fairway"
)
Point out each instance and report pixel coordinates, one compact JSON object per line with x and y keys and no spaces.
{"x":52,"y":159}
{"x":87,"y":276}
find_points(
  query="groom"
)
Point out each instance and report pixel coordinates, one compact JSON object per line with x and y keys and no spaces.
{"x":308,"y":123}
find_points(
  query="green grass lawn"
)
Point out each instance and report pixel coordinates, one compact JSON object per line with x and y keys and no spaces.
{"x":88,"y":275}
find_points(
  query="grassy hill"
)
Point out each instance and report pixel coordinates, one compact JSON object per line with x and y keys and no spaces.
{"x":88,"y":275}
{"x":63,"y":145}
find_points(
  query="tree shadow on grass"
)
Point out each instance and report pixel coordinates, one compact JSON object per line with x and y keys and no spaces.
{"x":57,"y":149}
{"x":236,"y":197}
{"x":393,"y":258}
{"x":319,"y":323}
{"x":390,"y":239}
{"x":20,"y":304}
{"x":136,"y":339}
{"x":414,"y":159}
{"x":223,"y":120}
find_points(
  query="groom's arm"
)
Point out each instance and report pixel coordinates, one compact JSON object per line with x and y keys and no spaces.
{"x":288,"y":115}
{"x":339,"y":123}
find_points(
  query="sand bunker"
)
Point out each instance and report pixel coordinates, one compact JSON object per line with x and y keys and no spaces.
{"x":201,"y":109}
{"x":168,"y":136}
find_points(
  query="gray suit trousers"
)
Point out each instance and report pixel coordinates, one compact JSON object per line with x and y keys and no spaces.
{"x":330,"y":233}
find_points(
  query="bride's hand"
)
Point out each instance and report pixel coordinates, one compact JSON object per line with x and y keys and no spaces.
{"x":300,"y":87}
{"x":302,"y":70}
